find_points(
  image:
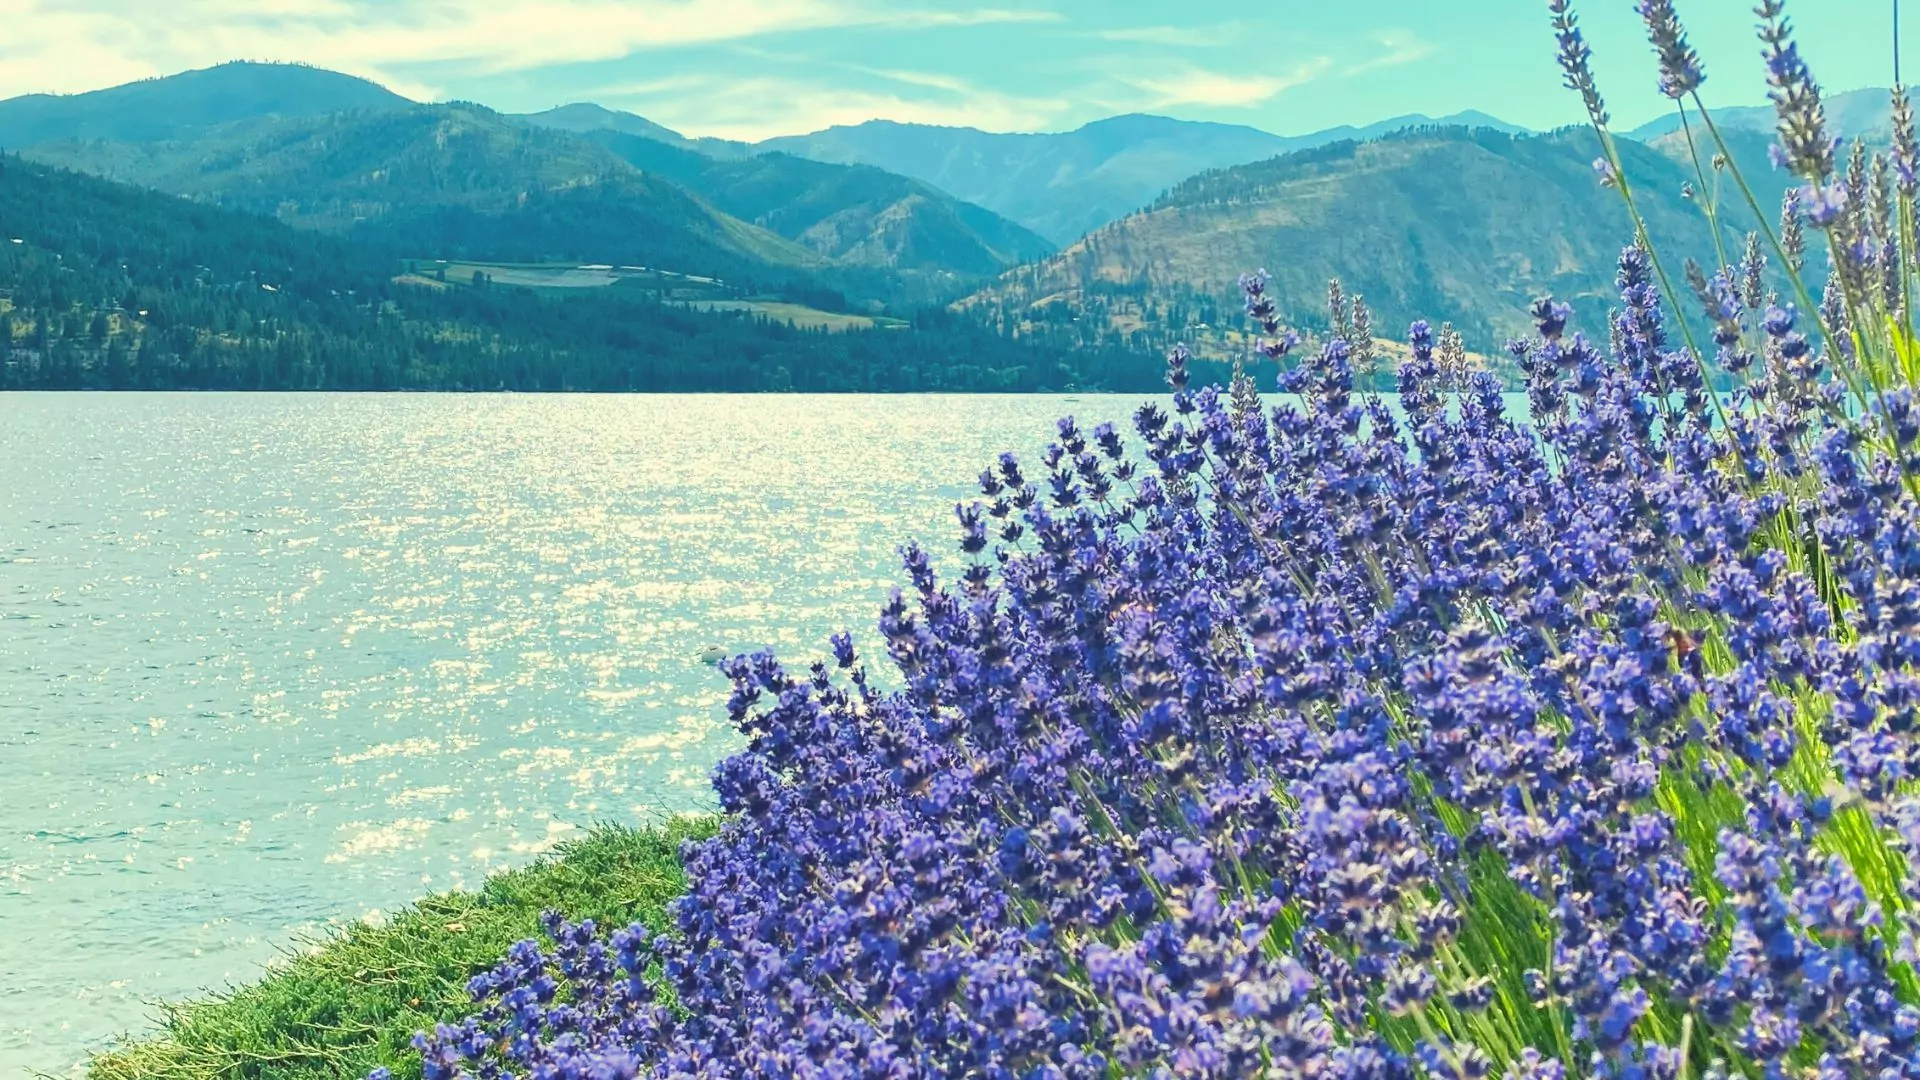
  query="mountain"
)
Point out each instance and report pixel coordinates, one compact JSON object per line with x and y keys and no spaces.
{"x":1471,"y":118}
{"x":445,"y":181}
{"x":1450,"y":224}
{"x":1866,"y":113}
{"x":180,"y":106}
{"x":850,"y":213}
{"x":1059,"y":185}
{"x":329,"y":152}
{"x":1067,"y":184}
{"x":587,"y":118}
{"x":1749,"y":151}
{"x":104,"y":285}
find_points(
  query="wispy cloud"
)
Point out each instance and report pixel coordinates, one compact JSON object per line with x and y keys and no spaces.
{"x":932,"y":80}
{"x":1397,"y":48}
{"x":1197,"y":86}
{"x":70,"y":45}
{"x":1179,"y":37}
{"x":981,"y":17}
{"x":760,"y":107}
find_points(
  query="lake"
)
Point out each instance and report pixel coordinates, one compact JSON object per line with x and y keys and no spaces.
{"x":270,"y":664}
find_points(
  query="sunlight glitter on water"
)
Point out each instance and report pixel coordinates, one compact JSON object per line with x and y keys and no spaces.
{"x":271,"y":663}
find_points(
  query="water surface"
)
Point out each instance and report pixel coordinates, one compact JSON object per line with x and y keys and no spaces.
{"x":270,"y":663}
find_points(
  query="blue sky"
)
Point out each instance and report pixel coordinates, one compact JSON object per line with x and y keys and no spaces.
{"x":754,"y":68}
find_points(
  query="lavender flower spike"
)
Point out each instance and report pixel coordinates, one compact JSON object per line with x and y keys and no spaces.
{"x":1680,"y":70}
{"x":1793,"y":236}
{"x":1906,"y":146}
{"x":1802,"y":119}
{"x":1576,"y":59}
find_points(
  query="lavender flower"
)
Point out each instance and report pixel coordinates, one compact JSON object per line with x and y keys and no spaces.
{"x":1576,"y":60}
{"x":1344,"y":737}
{"x":1793,"y":238}
{"x":1906,"y":147}
{"x":1346,"y":741}
{"x":1824,"y":205}
{"x":1680,"y":70}
{"x":1362,"y":338}
{"x":1802,"y":121}
{"x":1753,"y":267}
{"x":1339,"y":320}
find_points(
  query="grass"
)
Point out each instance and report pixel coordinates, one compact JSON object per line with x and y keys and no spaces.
{"x":698,"y":293}
{"x":355,"y":1001}
{"x":800,"y":314}
{"x":568,"y":276}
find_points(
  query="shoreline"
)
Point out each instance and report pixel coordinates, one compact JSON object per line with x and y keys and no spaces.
{"x":352,"y":1002}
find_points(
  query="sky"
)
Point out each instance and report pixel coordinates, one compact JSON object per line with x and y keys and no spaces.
{"x":750,"y":69}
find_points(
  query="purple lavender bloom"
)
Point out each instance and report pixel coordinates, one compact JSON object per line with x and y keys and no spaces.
{"x":1824,"y":205}
{"x":1340,"y":737}
{"x":1906,"y":145}
{"x":1680,"y":70}
{"x":1804,"y":144}
{"x":1793,"y":240}
{"x":1576,"y":59}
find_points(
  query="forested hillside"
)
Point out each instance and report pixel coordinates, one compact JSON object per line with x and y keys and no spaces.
{"x":1456,"y":224}
{"x":110,"y":286}
{"x":850,"y":213}
{"x":444,"y":181}
{"x":325,"y":151}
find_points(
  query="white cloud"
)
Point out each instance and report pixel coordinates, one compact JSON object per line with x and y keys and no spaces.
{"x":754,"y":108}
{"x":932,"y":80}
{"x":1196,"y":86}
{"x":1181,"y":37}
{"x":981,"y":17}
{"x":73,"y":45}
{"x":1399,"y":48}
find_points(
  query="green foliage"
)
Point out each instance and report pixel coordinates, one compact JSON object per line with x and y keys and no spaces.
{"x":355,"y":1001}
{"x":114,"y":287}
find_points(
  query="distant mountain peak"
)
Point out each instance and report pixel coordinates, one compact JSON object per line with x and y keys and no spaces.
{"x":1065,"y":184}
{"x":587,"y":116}
{"x":1437,"y":247}
{"x":176,"y":106}
{"x":1867,"y":112}
{"x":1154,"y":122}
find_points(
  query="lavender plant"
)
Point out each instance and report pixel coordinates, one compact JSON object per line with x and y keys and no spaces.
{"x":1354,"y":737}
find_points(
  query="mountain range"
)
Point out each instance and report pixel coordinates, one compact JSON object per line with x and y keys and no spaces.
{"x":1466,"y":225}
{"x":851,"y":213}
{"x":337,"y":154}
{"x":1864,"y":113}
{"x":110,"y":286}
{"x":1067,"y":184}
{"x":456,"y":181}
{"x":1061,"y":185}
{"x":1127,"y":232}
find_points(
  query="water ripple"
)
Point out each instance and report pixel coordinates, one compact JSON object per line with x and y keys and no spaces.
{"x":272,"y":663}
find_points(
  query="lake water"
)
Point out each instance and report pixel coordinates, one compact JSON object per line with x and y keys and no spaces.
{"x":274,"y":663}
